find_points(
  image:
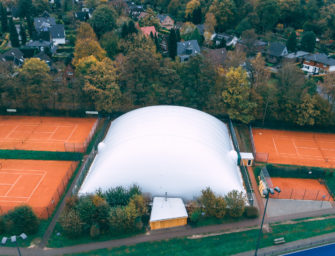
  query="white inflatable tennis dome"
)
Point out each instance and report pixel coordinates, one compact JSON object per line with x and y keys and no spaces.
{"x":162,"y":149}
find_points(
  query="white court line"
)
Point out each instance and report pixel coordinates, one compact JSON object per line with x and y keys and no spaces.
{"x":73,"y":130}
{"x":295,"y":147}
{"x":13,"y":185}
{"x":12,"y":131}
{"x":274,"y":143}
{"x":53,"y":133}
{"x":41,"y":179}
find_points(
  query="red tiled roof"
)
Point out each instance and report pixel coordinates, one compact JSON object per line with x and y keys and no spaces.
{"x":147,"y":30}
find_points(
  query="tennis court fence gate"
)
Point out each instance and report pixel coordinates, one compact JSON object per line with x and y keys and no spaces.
{"x":259,"y":156}
{"x":244,"y":171}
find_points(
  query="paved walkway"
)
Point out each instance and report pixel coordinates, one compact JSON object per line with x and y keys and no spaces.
{"x":293,"y":246}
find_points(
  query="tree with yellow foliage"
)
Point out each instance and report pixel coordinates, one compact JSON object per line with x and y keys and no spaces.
{"x":87,"y":47}
{"x":236,"y":96}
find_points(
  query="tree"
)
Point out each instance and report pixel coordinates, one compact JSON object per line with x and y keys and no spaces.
{"x":259,"y":74}
{"x":197,"y":16}
{"x":102,"y":87}
{"x":22,"y":219}
{"x":328,"y":87}
{"x":191,"y":6}
{"x":150,"y":20}
{"x":190,"y":32}
{"x":268,"y":13}
{"x":291,"y":42}
{"x":172,"y":44}
{"x":119,"y":196}
{"x":220,"y":207}
{"x":23,"y":35}
{"x":235,"y":203}
{"x":236,"y":96}
{"x":4,"y":21}
{"x":290,"y":12}
{"x":208,"y":202}
{"x":249,"y":38}
{"x":35,"y":78}
{"x":307,"y":110}
{"x":110,"y":42}
{"x":308,"y":41}
{"x":25,"y":8}
{"x":13,"y":36}
{"x":224,"y":12}
{"x":140,"y":204}
{"x":30,"y":26}
{"x":210,"y":24}
{"x":71,"y":223}
{"x":103,"y":20}
{"x":235,"y":58}
{"x":85,"y":31}
{"x":87,"y":47}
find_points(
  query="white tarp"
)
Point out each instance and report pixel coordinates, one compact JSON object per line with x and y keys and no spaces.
{"x":162,"y":149}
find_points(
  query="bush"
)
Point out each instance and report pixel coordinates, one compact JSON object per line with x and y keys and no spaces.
{"x":21,"y":219}
{"x":235,"y":203}
{"x":195,"y":216}
{"x":251,"y":212}
{"x":208,"y":201}
{"x":71,"y":224}
{"x":120,"y":196}
{"x":220,"y":207}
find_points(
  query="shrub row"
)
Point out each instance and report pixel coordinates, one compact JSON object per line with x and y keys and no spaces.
{"x":299,"y":172}
{"x":40,"y":155}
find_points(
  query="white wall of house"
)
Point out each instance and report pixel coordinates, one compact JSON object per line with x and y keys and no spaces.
{"x":310,"y":69}
{"x":58,"y":41}
{"x":331,"y":69}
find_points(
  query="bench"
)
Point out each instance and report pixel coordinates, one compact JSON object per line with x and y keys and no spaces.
{"x":279,"y":240}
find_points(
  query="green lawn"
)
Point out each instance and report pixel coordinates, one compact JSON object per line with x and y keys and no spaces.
{"x":225,"y":244}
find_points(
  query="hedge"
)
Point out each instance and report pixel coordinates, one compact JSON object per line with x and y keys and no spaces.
{"x":299,"y":172}
{"x":40,"y":155}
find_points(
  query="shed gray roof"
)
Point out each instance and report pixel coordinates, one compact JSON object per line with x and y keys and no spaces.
{"x":14,"y":52}
{"x":57,"y":31}
{"x":162,"y":17}
{"x":192,"y":46}
{"x":320,"y":58}
{"x":276,"y":49}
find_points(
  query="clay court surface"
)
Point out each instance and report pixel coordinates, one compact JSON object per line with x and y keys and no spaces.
{"x":46,"y":133}
{"x":301,"y":189}
{"x":34,"y":182}
{"x":296,"y":148}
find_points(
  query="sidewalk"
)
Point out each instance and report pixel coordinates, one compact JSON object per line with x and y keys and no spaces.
{"x":293,"y":246}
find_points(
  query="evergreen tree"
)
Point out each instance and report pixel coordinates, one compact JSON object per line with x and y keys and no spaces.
{"x":308,"y":41}
{"x":178,"y":35}
{"x":25,"y":8}
{"x":291,"y":42}
{"x":131,"y":27}
{"x":31,"y":28}
{"x":4,"y":24}
{"x":197,"y":16}
{"x":124,"y":30}
{"x":157,"y":43}
{"x":172,"y":44}
{"x":23,"y":35}
{"x":14,"y":37}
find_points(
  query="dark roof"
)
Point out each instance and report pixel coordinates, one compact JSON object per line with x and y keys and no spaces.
{"x":39,"y":43}
{"x":14,"y":55}
{"x":215,"y":56}
{"x":43,"y":24}
{"x":57,"y":31}
{"x":82,"y":16}
{"x":320,"y":58}
{"x":12,"y":52}
{"x":43,"y":56}
{"x":188,"y":48}
{"x":276,"y":49}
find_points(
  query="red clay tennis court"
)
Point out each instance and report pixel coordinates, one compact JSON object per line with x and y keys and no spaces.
{"x":301,"y":189}
{"x":46,"y":133}
{"x":37,"y":183}
{"x":295,"y":148}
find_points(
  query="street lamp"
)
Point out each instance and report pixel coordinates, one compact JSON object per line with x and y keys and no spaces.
{"x":266,"y":193}
{"x":13,"y":239}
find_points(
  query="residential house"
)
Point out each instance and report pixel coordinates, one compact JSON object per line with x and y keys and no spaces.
{"x":165,"y":21}
{"x":89,"y":11}
{"x":44,"y":57}
{"x":57,"y":34}
{"x":135,"y":10}
{"x":81,"y":16}
{"x":220,"y":39}
{"x":13,"y":55}
{"x":276,"y":52}
{"x":296,"y":56}
{"x":216,"y":57}
{"x":142,"y":15}
{"x":41,"y":46}
{"x":149,"y":30}
{"x":187,"y":49}
{"x":47,"y":29}
{"x":318,"y":63}
{"x":258,"y":45}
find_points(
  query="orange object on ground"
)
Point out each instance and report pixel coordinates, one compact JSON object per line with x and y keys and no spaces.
{"x":39,"y":184}
{"x":46,"y":133}
{"x":296,"y":148}
{"x":301,"y":189}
